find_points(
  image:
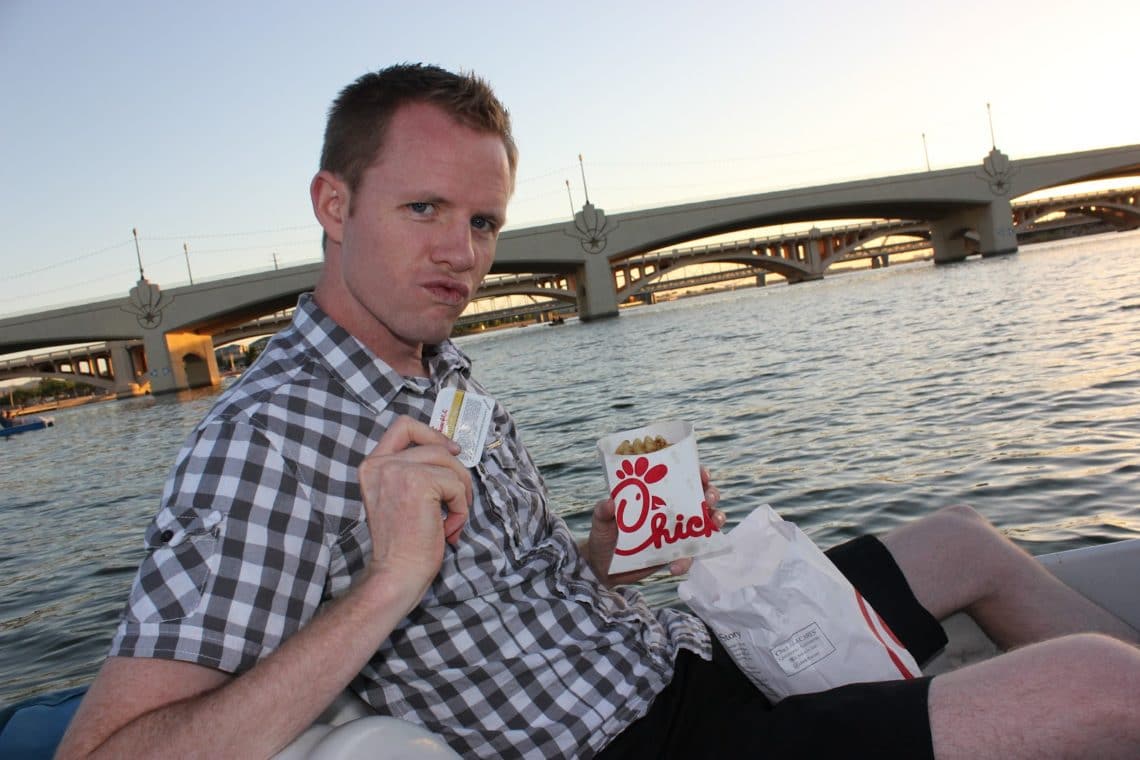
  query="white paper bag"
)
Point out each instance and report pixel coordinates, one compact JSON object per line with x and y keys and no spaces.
{"x":791,"y":621}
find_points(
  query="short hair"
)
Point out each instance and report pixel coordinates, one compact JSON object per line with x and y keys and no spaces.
{"x":359,"y":117}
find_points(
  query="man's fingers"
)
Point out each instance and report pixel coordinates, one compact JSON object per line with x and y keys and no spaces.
{"x":410,"y":441}
{"x":456,"y":497}
{"x":605,"y":510}
{"x":712,"y":493}
{"x":414,"y":464}
{"x":406,"y":432}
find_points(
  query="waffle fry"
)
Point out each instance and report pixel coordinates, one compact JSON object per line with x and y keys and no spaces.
{"x":646,"y":445}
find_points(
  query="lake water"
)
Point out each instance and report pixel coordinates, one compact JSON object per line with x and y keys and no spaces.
{"x":850,"y":404}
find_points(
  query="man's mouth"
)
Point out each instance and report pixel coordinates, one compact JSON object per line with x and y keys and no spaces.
{"x":449,"y":292}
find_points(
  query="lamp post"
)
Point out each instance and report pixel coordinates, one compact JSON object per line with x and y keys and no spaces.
{"x":990,"y":116}
{"x":138,"y":253}
{"x":585,"y":189}
{"x":186,"y":250}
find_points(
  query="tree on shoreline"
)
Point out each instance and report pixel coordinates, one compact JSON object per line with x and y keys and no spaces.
{"x":48,"y":389}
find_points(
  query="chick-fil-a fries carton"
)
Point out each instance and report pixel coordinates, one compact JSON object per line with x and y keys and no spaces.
{"x":654,"y":478}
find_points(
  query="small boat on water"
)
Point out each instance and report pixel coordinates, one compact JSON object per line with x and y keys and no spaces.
{"x":25,"y":425}
{"x":349,"y":730}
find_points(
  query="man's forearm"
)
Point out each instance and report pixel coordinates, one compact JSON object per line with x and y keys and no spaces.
{"x":258,"y":713}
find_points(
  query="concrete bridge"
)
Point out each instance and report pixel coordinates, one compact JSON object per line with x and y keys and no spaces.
{"x":602,"y":259}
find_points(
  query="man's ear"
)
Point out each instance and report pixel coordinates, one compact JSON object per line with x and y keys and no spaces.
{"x":330,"y":203}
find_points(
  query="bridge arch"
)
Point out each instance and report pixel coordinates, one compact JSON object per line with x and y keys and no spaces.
{"x":1120,"y":214}
{"x":555,"y":294}
{"x":756,"y":264}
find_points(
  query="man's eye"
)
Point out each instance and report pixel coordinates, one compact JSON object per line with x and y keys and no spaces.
{"x":482,"y":223}
{"x":419,"y":207}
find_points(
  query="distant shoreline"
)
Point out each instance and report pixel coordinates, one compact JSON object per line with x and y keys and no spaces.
{"x":65,"y":403}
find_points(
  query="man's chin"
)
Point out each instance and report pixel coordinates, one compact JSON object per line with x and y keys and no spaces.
{"x":436,"y":333}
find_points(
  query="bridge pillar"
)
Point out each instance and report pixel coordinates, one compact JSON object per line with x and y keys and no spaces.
{"x":991,"y":225}
{"x":813,"y":246}
{"x":995,"y":228}
{"x":948,"y":239}
{"x":597,"y":296}
{"x":123,"y":370}
{"x":179,"y":361}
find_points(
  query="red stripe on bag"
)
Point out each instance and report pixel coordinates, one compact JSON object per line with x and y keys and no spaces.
{"x":867,"y":612}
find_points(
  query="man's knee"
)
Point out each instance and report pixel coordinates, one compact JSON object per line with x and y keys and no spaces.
{"x":969,"y":533}
{"x":1103,"y":657}
{"x":964,"y":516}
{"x":960,"y":530}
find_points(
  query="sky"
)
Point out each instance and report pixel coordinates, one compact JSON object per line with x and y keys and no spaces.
{"x":199,"y":124}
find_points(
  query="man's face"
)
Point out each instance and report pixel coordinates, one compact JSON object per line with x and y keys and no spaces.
{"x":422,"y":229}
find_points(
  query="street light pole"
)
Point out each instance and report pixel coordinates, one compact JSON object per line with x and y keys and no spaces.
{"x":186,"y":250}
{"x":138,"y":253}
{"x":585,"y":189}
{"x":990,"y":116}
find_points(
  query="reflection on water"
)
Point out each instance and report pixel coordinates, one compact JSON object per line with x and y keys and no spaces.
{"x":850,"y":404}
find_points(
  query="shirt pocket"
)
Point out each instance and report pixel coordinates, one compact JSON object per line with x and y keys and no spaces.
{"x":181,"y":558}
{"x":516,"y":491}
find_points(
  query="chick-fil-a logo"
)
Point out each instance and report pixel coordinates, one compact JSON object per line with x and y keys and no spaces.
{"x":636,"y":504}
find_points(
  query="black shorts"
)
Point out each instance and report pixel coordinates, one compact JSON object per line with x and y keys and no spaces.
{"x":711,"y":709}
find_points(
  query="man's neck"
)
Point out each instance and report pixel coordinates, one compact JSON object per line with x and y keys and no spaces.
{"x":405,"y":358}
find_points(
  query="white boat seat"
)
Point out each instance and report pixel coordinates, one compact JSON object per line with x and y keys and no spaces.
{"x":349,"y":729}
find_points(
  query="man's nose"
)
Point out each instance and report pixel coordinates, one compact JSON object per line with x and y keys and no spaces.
{"x":455,"y":247}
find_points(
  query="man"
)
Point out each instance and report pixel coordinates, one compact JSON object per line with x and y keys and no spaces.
{"x":316,"y":533}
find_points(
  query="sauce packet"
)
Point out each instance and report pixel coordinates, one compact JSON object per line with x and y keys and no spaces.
{"x":464,"y":418}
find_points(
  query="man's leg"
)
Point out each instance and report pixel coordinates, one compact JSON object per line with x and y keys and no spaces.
{"x":1074,"y":696}
{"x":954,"y":560}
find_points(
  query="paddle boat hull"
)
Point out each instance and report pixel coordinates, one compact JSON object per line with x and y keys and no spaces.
{"x":32,"y":423}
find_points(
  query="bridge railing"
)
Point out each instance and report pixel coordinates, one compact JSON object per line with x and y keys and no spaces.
{"x":1130,"y":192}
{"x":72,"y":355}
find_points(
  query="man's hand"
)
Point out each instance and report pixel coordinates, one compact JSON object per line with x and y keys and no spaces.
{"x":599,"y":547}
{"x":416,"y":496}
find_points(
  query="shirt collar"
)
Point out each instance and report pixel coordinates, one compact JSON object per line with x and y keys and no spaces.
{"x":365,"y":374}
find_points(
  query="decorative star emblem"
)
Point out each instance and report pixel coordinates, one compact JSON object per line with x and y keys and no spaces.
{"x":147,"y":302}
{"x":998,"y":172}
{"x":591,"y":228}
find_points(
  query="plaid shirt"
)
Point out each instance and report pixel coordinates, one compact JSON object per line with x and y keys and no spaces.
{"x":515,"y":650}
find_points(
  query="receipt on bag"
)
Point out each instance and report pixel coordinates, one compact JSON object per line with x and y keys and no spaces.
{"x":464,"y":418}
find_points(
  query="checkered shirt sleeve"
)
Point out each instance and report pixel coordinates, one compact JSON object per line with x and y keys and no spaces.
{"x":237,"y":558}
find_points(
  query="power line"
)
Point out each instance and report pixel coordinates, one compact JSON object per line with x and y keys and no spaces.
{"x":66,"y":262}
